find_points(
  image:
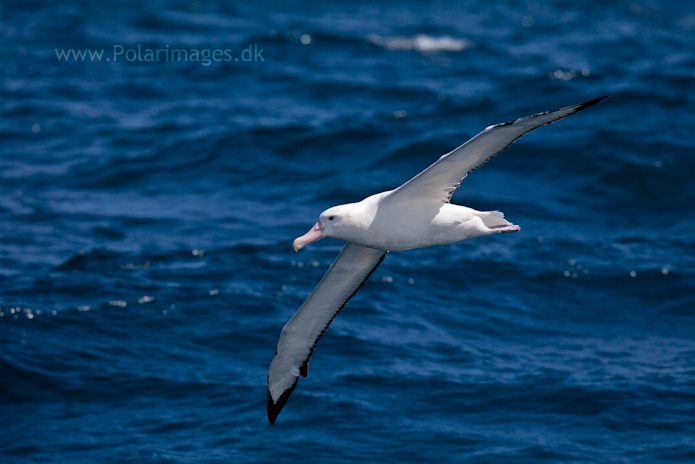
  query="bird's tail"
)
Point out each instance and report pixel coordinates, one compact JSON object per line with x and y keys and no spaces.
{"x":493,"y":218}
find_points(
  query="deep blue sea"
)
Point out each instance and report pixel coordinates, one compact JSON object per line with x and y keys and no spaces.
{"x":148,"y":208}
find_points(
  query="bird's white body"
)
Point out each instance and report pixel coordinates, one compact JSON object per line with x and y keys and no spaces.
{"x":417,"y":214}
{"x":384,"y":222}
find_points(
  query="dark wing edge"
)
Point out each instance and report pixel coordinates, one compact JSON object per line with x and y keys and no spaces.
{"x":439,"y":180}
{"x":575,"y":108}
{"x":274,"y":408}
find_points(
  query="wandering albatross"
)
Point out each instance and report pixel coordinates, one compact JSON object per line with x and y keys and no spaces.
{"x":415,"y":215}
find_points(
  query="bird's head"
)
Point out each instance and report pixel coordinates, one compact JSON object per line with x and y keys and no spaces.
{"x":336,"y":222}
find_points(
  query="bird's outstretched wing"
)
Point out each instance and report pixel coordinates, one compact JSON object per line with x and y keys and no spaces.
{"x":439,"y":181}
{"x":299,"y":336}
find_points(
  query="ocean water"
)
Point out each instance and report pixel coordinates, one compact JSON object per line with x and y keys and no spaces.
{"x":147,"y":211}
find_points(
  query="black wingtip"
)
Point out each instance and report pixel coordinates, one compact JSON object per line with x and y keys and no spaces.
{"x":581,"y":106}
{"x":274,"y":408}
{"x":273,"y":411}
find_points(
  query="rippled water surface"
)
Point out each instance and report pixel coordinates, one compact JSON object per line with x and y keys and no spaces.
{"x":147,"y":211}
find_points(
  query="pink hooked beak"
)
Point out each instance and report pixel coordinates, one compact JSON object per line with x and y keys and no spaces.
{"x":316,"y":233}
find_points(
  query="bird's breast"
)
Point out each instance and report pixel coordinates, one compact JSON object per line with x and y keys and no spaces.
{"x":408,"y":226}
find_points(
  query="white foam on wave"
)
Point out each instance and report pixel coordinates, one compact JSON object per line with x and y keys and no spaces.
{"x":422,"y":43}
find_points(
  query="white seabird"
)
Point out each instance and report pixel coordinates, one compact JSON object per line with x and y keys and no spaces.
{"x":415,"y":215}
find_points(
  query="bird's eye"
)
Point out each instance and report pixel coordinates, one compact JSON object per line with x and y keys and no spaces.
{"x":330,"y":218}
